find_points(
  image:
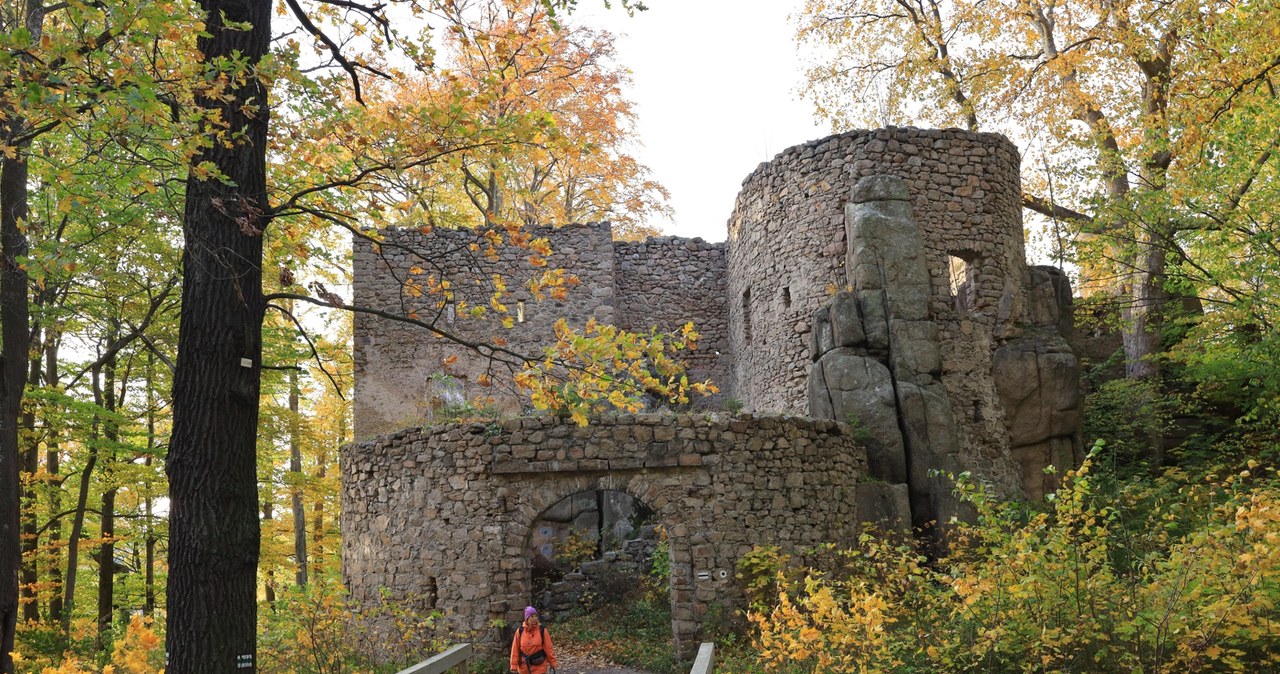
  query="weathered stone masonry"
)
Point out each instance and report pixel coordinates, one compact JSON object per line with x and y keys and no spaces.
{"x":442,"y":516}
{"x":999,"y":324}
{"x":951,"y":354}
{"x":663,"y":282}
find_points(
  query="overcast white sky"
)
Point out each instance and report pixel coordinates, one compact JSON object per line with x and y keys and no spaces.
{"x":715,"y":90}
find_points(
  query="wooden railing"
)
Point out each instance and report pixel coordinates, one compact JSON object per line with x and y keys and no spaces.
{"x":457,"y":657}
{"x":460,"y":656}
{"x":705,"y":663}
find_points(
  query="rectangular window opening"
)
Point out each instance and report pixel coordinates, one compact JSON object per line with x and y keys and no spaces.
{"x":962,"y":280}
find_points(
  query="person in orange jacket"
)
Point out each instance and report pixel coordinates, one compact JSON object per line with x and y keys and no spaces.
{"x":531,"y":651}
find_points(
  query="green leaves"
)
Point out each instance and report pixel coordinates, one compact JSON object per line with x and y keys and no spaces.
{"x":1092,"y":583}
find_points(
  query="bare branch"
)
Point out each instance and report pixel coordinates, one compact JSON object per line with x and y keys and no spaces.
{"x":315,"y":353}
{"x":1048,"y":208}
{"x":498,"y":353}
{"x":352,"y":67}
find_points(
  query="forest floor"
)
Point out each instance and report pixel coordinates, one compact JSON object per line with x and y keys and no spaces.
{"x":572,"y":663}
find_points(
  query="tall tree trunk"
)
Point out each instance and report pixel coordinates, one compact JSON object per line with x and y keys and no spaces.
{"x":30,"y":461}
{"x":15,"y":334}
{"x":1142,"y":329}
{"x":53,"y":459}
{"x":77,"y":521}
{"x":14,"y":318}
{"x":149,"y":538}
{"x":1144,"y":318}
{"x":213,"y":514}
{"x":107,"y":553}
{"x":317,"y":525}
{"x":295,"y":467}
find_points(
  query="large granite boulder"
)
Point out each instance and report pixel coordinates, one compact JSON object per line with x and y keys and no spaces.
{"x":858,"y":390}
{"x":878,"y":362}
{"x":1038,"y":381}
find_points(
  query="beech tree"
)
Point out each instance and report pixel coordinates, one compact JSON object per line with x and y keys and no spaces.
{"x":525,"y":60}
{"x":214,"y":510}
{"x":54,"y":58}
{"x":1131,"y":107}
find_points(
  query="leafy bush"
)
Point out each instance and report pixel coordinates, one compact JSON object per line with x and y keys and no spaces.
{"x":578,"y":547}
{"x":317,"y":629}
{"x":1126,"y":414}
{"x":1176,"y":573}
{"x":139,"y":650}
{"x":762,"y":573}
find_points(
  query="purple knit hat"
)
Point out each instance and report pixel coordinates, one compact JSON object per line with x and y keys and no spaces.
{"x":529,"y":611}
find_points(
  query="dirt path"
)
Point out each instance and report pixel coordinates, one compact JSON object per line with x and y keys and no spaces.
{"x":586,"y":664}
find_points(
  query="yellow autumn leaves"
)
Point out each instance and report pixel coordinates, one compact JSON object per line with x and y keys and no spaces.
{"x":139,"y":651}
{"x":603,"y":366}
{"x":1098,"y":583}
{"x":819,"y":632}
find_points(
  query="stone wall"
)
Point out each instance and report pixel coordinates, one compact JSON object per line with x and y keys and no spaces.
{"x":754,"y":297}
{"x":442,"y":517}
{"x":668,"y":281}
{"x":788,"y":253}
{"x":399,"y":366}
{"x":401,"y":369}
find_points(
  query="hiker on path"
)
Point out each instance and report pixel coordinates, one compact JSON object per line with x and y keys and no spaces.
{"x":531,"y":651}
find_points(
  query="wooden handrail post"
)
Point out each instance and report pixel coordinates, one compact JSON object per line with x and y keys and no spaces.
{"x":705,"y":662}
{"x":459,"y":656}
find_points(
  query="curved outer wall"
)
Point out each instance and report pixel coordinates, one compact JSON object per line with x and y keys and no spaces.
{"x":787,"y":247}
{"x":441,"y":517}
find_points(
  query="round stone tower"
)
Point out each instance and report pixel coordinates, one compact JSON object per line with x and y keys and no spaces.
{"x":788,"y":251}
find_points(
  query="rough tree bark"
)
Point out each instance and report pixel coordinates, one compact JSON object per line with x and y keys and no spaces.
{"x":214,"y":531}
{"x":14,"y":330}
{"x":295,"y":467}
{"x":106,"y":395}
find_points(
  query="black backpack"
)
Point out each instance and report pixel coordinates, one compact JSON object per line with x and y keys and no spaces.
{"x":539,"y":657}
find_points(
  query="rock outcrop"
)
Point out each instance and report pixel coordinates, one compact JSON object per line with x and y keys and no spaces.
{"x":876,"y":359}
{"x":877,"y":365}
{"x":1037,"y":377}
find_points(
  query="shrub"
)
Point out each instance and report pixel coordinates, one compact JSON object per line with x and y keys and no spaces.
{"x":317,"y":629}
{"x":1126,"y":414}
{"x":577,"y":548}
{"x":139,"y":650}
{"x":1168,"y":574}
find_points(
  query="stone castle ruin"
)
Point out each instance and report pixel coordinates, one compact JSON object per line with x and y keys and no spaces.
{"x":872,"y":309}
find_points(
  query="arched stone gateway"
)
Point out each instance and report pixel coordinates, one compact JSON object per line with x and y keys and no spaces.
{"x":441,"y":517}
